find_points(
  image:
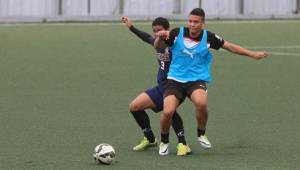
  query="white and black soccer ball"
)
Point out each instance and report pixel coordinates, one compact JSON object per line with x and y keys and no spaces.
{"x":104,"y":154}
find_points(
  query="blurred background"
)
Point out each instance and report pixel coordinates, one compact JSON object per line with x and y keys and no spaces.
{"x":110,"y":10}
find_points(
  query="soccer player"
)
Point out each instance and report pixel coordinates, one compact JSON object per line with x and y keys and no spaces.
{"x":189,"y":71}
{"x":152,"y":98}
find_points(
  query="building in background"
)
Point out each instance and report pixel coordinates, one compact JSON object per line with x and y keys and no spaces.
{"x":109,"y":10}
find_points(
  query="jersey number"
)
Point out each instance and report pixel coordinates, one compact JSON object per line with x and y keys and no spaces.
{"x":162,"y":65}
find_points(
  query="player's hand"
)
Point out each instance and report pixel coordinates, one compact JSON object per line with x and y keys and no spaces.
{"x":126,"y":21}
{"x":259,"y":55}
{"x":162,"y":34}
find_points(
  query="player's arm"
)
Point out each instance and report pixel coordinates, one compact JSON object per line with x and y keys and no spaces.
{"x":234,"y":48}
{"x":217,"y":42}
{"x":160,"y":38}
{"x":142,"y":35}
{"x":165,"y":38}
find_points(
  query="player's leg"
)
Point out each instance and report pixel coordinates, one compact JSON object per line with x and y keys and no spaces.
{"x":199,"y":96}
{"x":172,"y":97}
{"x":200,"y":102}
{"x":141,"y":102}
{"x":170,"y":105}
{"x":177,"y":124}
{"x":137,"y":108}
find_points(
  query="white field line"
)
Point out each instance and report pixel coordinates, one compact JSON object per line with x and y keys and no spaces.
{"x":252,"y":22}
{"x":285,"y":54}
{"x":278,"y":47}
{"x":275,"y":47}
{"x":275,"y":52}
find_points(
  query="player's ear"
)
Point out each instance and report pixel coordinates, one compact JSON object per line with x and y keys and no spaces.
{"x":203,"y":20}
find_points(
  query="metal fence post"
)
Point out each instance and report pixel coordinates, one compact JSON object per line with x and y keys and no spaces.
{"x":60,"y":8}
{"x":242,"y":7}
{"x":89,"y":7}
{"x":298,"y":7}
{"x":176,"y":6}
{"x":121,"y":7}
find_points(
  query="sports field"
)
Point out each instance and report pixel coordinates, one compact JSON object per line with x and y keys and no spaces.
{"x":64,"y":88}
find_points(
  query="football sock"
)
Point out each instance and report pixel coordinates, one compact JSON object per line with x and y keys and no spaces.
{"x":178,"y":128}
{"x":143,"y":121}
{"x":200,"y":132}
{"x":181,"y":137}
{"x":164,"y":138}
{"x":149,"y":135}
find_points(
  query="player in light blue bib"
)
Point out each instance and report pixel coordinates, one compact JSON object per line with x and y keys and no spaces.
{"x":190,"y":71}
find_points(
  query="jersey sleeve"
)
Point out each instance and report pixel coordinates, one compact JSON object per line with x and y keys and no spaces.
{"x":173,"y":34}
{"x":214,"y":41}
{"x":142,"y":35}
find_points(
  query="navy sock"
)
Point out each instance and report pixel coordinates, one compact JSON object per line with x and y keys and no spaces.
{"x":149,"y":135}
{"x":177,"y":125}
{"x":143,"y":121}
{"x":181,"y":137}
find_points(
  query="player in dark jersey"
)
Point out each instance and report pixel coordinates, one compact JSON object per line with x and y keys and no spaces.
{"x":189,"y":71}
{"x":153,"y":98}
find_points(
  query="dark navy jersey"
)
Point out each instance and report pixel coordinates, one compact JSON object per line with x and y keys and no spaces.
{"x":163,"y":56}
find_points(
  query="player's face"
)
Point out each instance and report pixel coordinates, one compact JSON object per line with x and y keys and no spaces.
{"x":157,"y":28}
{"x":195,"y":24}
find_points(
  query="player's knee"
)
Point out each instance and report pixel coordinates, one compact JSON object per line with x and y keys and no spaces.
{"x":168,"y":113}
{"x":168,"y":116}
{"x":133,"y":107}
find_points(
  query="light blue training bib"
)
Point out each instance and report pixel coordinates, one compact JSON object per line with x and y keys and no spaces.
{"x":190,"y":64}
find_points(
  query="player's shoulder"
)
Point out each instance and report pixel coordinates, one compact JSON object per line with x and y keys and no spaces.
{"x":212,"y":35}
{"x":175,"y":31}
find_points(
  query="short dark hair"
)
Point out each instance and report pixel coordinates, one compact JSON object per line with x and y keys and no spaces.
{"x":199,"y":12}
{"x":161,"y":21}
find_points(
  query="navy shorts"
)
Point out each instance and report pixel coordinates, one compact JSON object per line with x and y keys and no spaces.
{"x":156,"y":95}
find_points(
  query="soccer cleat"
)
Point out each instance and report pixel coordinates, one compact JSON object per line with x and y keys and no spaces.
{"x":144,"y":144}
{"x":163,"y":149}
{"x":183,"y":149}
{"x":189,"y":150}
{"x":204,"y":142}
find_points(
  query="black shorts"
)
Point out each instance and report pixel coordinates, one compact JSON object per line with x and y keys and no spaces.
{"x":183,"y":90}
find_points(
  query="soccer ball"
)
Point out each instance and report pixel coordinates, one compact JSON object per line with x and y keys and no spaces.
{"x":104,"y":154}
